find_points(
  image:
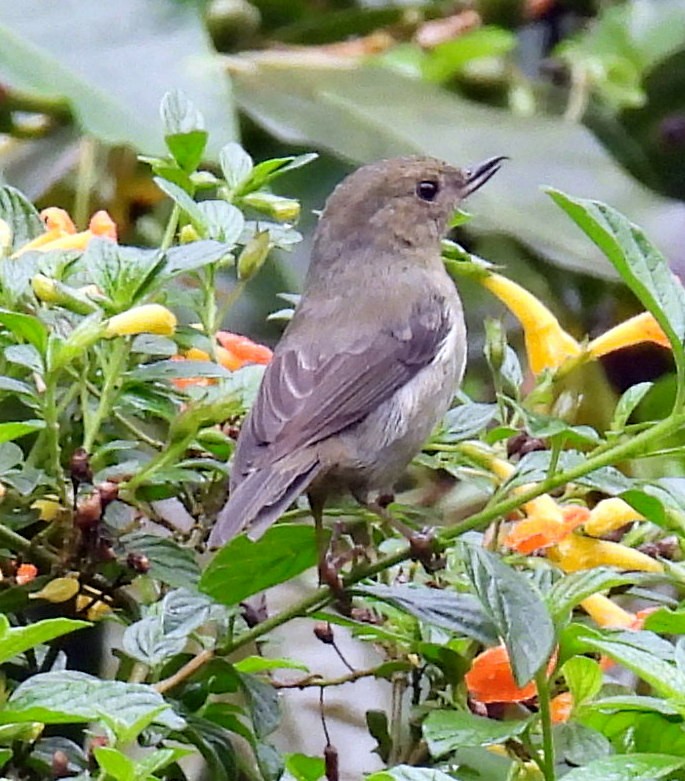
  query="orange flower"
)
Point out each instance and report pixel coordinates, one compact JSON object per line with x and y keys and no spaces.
{"x":61,"y":232}
{"x":25,"y":574}
{"x":561,"y":707}
{"x":545,"y":524}
{"x":491,"y":679}
{"x":233,"y":352}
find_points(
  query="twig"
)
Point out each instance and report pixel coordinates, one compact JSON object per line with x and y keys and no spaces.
{"x":185,"y":672}
{"x":311,"y":681}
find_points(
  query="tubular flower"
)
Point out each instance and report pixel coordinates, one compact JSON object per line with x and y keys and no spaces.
{"x":546,"y":523}
{"x":491,"y":679}
{"x":610,"y":514}
{"x":641,"y":328}
{"x":575,"y":553}
{"x":233,"y":352}
{"x":61,"y":232}
{"x":145,"y":319}
{"x":549,"y":346}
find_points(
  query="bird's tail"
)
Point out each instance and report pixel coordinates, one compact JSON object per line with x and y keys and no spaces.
{"x":261,"y":498}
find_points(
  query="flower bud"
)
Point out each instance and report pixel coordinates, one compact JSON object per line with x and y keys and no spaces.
{"x":188,"y":234}
{"x":145,"y":319}
{"x":495,"y":344}
{"x":281,"y":209}
{"x":58,"y":590}
{"x":254,"y":254}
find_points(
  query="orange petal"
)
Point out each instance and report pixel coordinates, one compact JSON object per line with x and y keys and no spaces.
{"x":546,"y":523}
{"x":229,"y":360}
{"x":490,"y":678}
{"x":101,"y":224}
{"x":561,"y":707}
{"x":641,"y":328}
{"x":26,"y":573}
{"x":244,"y":348}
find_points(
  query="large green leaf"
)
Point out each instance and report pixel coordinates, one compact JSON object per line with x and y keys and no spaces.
{"x":169,"y":562}
{"x":242,"y":567}
{"x":446,"y":731}
{"x":16,"y":640}
{"x":364,"y":114}
{"x":112,"y":63}
{"x":627,"y":767}
{"x":515,"y":607}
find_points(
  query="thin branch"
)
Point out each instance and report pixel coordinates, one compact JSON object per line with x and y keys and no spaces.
{"x":315,"y":680}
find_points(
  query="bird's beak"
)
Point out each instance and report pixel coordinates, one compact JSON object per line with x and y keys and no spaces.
{"x":478,"y":175}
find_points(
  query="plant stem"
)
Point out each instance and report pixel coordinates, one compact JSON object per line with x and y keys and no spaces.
{"x":16,"y":543}
{"x":51,"y":417}
{"x":170,"y":231}
{"x":546,"y":721}
{"x":84,"y":181}
{"x":110,"y":389}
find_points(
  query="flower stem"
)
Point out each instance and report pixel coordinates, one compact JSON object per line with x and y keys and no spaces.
{"x":546,"y":721}
{"x":110,"y":389}
{"x":51,"y":417}
{"x":170,"y":231}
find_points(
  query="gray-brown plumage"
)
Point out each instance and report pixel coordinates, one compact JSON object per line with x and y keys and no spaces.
{"x":373,"y":354}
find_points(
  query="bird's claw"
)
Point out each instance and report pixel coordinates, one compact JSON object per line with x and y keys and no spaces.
{"x":424,"y":548}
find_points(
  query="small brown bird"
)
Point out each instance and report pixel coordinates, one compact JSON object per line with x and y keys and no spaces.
{"x":372,"y":356}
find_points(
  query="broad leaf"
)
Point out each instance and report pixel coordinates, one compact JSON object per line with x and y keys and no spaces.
{"x":169,"y":562}
{"x":21,"y":215}
{"x":516,"y":608}
{"x":242,"y":567}
{"x":445,"y":731}
{"x":627,"y":767}
{"x":460,"y":613}
{"x":16,"y":640}
{"x":465,"y":422}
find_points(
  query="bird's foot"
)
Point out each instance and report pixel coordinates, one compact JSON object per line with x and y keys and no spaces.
{"x":329,"y":575}
{"x":424,"y":548}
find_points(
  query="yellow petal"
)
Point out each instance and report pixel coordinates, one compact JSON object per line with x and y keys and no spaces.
{"x":641,"y":328}
{"x":145,"y":319}
{"x":610,"y":514}
{"x":94,"y":610}
{"x":605,"y":612}
{"x":547,"y":344}
{"x":576,"y":553}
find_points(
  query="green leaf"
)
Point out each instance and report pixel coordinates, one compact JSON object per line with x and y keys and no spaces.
{"x":270,"y":761}
{"x":447,"y":59}
{"x":516,"y":608}
{"x":260,"y":664}
{"x":193,"y":256}
{"x":115,"y":764}
{"x":572,"y":589}
{"x":580,"y":745}
{"x":236,"y":165}
{"x":410,"y":773}
{"x":113,"y":76}
{"x":169,"y":562}
{"x":642,"y":267}
{"x":629,"y":767}
{"x":5,"y":756}
{"x":583,"y":678}
{"x":21,"y":215}
{"x":268,"y":170}
{"x":10,"y":431}
{"x":223,"y":221}
{"x":633,"y":702}
{"x":465,"y":422}
{"x":171,"y":370}
{"x":445,"y":731}
{"x":460,"y":613}
{"x":214,"y":744}
{"x":263,"y":703}
{"x":628,"y":403}
{"x":26,"y":327}
{"x":187,"y":205}
{"x":16,"y":640}
{"x":534,"y":467}
{"x":664,"y":677}
{"x":41,"y":757}
{"x":66,"y":697}
{"x":25,"y":355}
{"x":666,"y":621}
{"x":184,"y":130}
{"x":304,"y":768}
{"x":242,"y":567}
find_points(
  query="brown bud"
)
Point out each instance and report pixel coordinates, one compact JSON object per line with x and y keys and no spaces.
{"x":88,"y":511}
{"x":532,"y":444}
{"x":330,"y":758}
{"x":138,"y":562}
{"x":523,"y":443}
{"x":59,"y":765}
{"x":324,"y":631}
{"x":79,"y":466}
{"x":109,"y":491}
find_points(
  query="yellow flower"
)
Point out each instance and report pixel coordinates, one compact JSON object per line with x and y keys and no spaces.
{"x":61,"y":232}
{"x":641,"y":328}
{"x":547,"y":344}
{"x":145,"y":319}
{"x":609,"y":515}
{"x":575,"y":553}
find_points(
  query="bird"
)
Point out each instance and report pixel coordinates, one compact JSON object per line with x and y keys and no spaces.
{"x":372,"y":357}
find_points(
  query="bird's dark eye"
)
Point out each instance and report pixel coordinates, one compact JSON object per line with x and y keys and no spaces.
{"x":427,"y":190}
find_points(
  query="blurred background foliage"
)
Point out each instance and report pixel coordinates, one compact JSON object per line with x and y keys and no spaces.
{"x":584,"y":95}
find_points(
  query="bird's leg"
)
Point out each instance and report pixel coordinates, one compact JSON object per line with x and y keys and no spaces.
{"x":327,"y":566}
{"x":421,"y":544}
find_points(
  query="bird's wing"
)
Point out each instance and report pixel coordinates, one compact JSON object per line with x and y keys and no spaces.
{"x":306,"y":397}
